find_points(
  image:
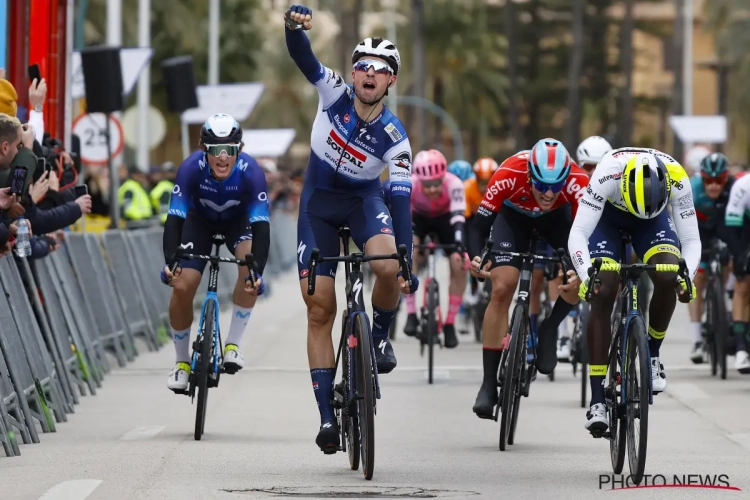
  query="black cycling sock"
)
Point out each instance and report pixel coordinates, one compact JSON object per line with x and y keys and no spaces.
{"x":597,"y":374}
{"x":559,"y":311}
{"x":381,"y":322}
{"x":491,"y":363}
{"x":322,"y":382}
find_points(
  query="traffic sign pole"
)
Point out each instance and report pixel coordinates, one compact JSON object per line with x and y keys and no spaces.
{"x":114,"y":182}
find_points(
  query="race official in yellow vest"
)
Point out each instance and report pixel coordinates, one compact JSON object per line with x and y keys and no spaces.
{"x":162,"y":180}
{"x":132,"y":196}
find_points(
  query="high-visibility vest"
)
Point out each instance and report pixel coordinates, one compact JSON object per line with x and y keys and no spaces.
{"x":139,"y":206}
{"x":160,"y":197}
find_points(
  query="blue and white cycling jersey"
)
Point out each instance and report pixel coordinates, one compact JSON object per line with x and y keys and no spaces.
{"x":243,"y":192}
{"x":348,"y":155}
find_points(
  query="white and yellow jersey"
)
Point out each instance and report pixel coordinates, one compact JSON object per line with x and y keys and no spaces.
{"x":604,"y":187}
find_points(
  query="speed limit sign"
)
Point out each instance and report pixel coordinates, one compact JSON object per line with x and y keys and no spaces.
{"x":91,"y":128}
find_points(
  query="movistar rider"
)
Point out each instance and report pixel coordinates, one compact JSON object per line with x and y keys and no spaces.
{"x":354,"y":138}
{"x":218,"y":189}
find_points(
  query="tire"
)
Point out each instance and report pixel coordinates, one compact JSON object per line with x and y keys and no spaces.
{"x":512,"y":377}
{"x":480,"y":308}
{"x":433,"y":298}
{"x":525,"y":376}
{"x":617,"y":427}
{"x":715,"y":309}
{"x":202,"y":368}
{"x":350,"y":427}
{"x":583,"y":342}
{"x":635,"y":373}
{"x":365,"y":385}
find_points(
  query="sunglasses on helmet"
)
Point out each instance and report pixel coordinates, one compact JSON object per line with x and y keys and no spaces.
{"x":377,"y":66}
{"x":719,"y":179}
{"x":543,"y":187}
{"x":217,"y":149}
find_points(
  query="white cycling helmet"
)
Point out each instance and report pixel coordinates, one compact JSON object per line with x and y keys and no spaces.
{"x":378,"y":47}
{"x":592,"y":149}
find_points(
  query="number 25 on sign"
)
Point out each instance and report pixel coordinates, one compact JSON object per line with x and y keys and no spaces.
{"x":91,"y":128}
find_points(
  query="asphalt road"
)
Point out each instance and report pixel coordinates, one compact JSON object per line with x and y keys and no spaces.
{"x":134,"y":440}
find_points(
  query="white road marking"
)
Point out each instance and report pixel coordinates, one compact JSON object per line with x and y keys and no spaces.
{"x":77,"y":489}
{"x":437,"y":374}
{"x":142,"y":433}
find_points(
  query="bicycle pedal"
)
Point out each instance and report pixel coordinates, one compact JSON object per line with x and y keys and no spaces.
{"x":598,"y":434}
{"x":231,"y":369}
{"x":181,"y":393}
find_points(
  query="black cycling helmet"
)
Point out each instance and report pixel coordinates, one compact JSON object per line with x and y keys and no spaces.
{"x":221,"y":129}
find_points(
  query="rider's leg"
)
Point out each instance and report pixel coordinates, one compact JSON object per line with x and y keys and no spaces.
{"x":242,"y":308}
{"x":412,"y":322}
{"x":696,"y":312}
{"x":314,"y":231}
{"x":656,"y":242}
{"x":537,"y":287}
{"x":511,"y":231}
{"x":740,"y":324}
{"x":455,"y":297}
{"x":385,"y":296}
{"x":181,"y":311}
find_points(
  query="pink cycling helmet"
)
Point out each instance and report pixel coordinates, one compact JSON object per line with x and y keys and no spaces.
{"x":430,"y":165}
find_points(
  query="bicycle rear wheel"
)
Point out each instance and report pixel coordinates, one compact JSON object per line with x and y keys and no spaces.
{"x":638,"y":382}
{"x":204,"y":341}
{"x":365,"y":394}
{"x":433,"y":299}
{"x":512,"y":380}
{"x":348,"y":422}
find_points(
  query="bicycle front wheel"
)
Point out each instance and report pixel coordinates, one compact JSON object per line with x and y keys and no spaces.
{"x":204,"y":341}
{"x":512,"y":380}
{"x":365,"y":395}
{"x":718,"y":329}
{"x":638,"y":384}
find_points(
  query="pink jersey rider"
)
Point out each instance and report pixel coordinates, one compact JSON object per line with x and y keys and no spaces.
{"x":452,"y":199}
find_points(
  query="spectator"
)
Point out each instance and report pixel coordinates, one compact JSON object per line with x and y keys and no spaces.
{"x":135,"y":204}
{"x":98,"y":185}
{"x":161,"y":192}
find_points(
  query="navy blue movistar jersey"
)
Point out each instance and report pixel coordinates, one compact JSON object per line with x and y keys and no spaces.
{"x":242,"y":193}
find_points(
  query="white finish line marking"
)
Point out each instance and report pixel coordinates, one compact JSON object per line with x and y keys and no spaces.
{"x":78,"y":489}
{"x":142,"y":433}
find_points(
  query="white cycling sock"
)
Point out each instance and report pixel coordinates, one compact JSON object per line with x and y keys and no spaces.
{"x":181,"y":345}
{"x":697,"y":331}
{"x":240,"y":317}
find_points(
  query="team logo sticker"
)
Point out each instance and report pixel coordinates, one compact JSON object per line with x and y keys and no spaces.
{"x":403,"y":160}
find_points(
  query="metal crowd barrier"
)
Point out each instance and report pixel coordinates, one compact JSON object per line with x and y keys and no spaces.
{"x":60,"y":317}
{"x":63,"y":315}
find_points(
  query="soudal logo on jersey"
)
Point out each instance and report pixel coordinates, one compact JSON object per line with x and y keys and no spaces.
{"x":500,"y":185}
{"x":345,"y":151}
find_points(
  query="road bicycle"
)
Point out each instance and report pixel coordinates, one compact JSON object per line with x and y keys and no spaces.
{"x":354,"y":397}
{"x":516,"y":369}
{"x":716,"y":326}
{"x":431,"y":321}
{"x":627,"y":391}
{"x":206,"y":362}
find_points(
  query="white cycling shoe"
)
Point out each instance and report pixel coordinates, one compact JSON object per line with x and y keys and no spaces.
{"x":658,"y":376}
{"x":596,"y":419}
{"x":233,"y":360}
{"x":178,"y":378}
{"x":742,"y":362}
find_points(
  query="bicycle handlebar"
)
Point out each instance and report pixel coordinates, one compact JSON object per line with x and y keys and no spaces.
{"x":249,"y":262}
{"x":316,"y":259}
{"x":561,"y":258}
{"x":598,"y":265}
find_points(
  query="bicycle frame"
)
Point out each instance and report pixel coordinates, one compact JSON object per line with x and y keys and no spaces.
{"x":355,"y":306}
{"x":211,"y":296}
{"x":628,"y":302}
